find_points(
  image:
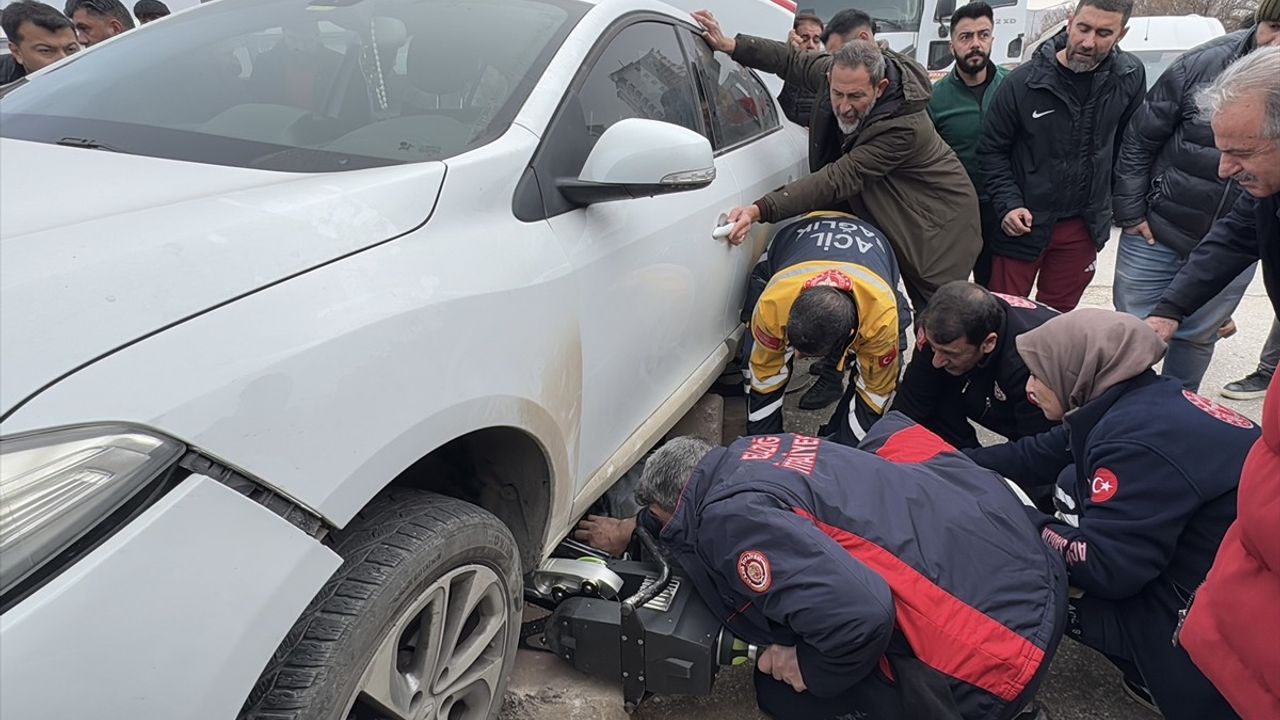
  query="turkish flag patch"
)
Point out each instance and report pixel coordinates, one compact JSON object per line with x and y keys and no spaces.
{"x":1104,"y":486}
{"x":887,"y":360}
{"x":754,"y":571}
{"x":1219,"y":412}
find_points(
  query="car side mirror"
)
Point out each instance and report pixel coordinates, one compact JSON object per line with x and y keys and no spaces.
{"x":944,"y":10}
{"x":638,"y":158}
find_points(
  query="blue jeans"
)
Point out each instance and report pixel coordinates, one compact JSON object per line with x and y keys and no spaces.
{"x":1271,"y":350}
{"x":1143,"y":273}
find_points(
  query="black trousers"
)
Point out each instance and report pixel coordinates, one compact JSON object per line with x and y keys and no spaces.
{"x":990,"y":225}
{"x":871,"y":699}
{"x":1136,"y":636}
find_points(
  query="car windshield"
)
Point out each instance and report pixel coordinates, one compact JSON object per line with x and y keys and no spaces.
{"x":890,"y":15}
{"x":301,"y":86}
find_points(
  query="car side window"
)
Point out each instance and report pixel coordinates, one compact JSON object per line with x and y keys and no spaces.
{"x":641,"y":74}
{"x":740,"y":106}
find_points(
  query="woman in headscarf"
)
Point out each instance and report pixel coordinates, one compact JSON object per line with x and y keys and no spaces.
{"x":1146,"y":475}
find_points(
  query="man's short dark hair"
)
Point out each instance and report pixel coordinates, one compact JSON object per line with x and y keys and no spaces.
{"x":972,"y":11}
{"x":822,"y":320}
{"x":36,"y":13}
{"x":847,"y":22}
{"x":806,"y":18}
{"x":961,"y":309}
{"x":105,"y":8}
{"x":1124,"y":7}
{"x":149,"y":9}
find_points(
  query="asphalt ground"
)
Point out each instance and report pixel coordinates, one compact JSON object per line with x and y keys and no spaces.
{"x":1082,"y":685}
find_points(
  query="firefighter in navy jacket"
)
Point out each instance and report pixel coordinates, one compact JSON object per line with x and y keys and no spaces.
{"x":899,"y":580}
{"x":1146,"y":477}
{"x":828,"y":287}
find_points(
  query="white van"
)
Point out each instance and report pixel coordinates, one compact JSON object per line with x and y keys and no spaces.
{"x":1158,"y":41}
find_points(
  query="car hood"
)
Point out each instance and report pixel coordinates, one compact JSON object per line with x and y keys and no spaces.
{"x":100,"y":249}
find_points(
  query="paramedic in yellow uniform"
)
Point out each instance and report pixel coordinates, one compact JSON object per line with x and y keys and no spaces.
{"x":827,"y":286}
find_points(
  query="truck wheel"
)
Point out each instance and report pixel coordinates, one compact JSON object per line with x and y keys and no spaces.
{"x":421,"y":621}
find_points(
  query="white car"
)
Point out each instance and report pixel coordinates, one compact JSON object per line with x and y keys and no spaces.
{"x":323,"y":321}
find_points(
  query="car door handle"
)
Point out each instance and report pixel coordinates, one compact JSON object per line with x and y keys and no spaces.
{"x":723,"y":227}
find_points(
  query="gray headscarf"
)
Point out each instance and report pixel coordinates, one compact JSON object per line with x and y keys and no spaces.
{"x":1086,"y":352}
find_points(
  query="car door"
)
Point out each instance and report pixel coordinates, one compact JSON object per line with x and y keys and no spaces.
{"x":652,"y":283}
{"x":750,"y":140}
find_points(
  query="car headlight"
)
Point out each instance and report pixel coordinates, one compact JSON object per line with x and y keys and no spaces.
{"x":56,"y":486}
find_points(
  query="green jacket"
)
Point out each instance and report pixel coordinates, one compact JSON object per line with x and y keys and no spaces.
{"x":895,"y":171}
{"x":958,"y":117}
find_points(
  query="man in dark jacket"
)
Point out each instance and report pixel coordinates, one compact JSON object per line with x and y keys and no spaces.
{"x":806,"y":35}
{"x":961,"y":99}
{"x":872,"y":150}
{"x":1047,"y":151}
{"x":966,"y":366}
{"x":1168,"y":194}
{"x":1241,"y":105}
{"x":826,"y":557}
{"x":38,"y":35}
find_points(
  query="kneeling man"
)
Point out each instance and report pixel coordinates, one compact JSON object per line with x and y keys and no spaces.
{"x":827,"y":287}
{"x":895,"y":581}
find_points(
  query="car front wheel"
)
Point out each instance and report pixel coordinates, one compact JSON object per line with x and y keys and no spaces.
{"x":420,"y":622}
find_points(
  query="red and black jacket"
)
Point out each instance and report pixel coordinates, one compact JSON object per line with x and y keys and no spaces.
{"x":849,"y":554}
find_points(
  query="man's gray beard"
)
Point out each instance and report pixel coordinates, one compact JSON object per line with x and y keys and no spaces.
{"x":1080,"y":66}
{"x":848,"y":129}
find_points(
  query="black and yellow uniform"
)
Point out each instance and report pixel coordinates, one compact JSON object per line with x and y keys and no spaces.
{"x":838,"y":250}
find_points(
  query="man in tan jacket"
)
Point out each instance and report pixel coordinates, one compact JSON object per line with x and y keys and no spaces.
{"x":873,"y":150}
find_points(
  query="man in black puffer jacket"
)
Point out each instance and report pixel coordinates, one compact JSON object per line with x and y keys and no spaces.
{"x":1048,"y":147}
{"x":1168,"y":194}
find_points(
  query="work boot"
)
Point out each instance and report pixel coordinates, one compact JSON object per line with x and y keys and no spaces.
{"x":826,"y":389}
{"x":1140,"y":695}
{"x":1251,"y":387}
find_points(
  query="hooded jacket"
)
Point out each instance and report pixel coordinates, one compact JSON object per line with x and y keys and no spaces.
{"x":1167,"y":173}
{"x":846,"y":553}
{"x":895,"y":170}
{"x":1041,"y":146}
{"x":1232,"y":628}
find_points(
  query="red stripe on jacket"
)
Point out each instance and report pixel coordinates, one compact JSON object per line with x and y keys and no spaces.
{"x":915,"y":444}
{"x":945,"y":633}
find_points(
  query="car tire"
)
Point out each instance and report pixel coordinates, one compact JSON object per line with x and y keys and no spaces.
{"x":421,"y":621}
